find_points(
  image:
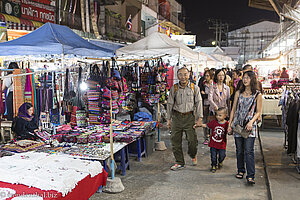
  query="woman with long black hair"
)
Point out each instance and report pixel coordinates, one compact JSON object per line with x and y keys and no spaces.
{"x":219,"y":93}
{"x":246,"y":110}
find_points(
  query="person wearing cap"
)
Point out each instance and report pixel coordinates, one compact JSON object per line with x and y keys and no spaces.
{"x":184,"y":107}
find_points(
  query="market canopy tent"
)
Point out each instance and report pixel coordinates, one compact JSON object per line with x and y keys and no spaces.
{"x":107,"y":44}
{"x":157,"y":44}
{"x":52,"y":39}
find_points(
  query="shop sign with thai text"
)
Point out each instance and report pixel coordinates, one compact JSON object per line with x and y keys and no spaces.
{"x":36,"y":11}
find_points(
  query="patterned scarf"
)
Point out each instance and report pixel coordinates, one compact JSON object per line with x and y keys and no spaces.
{"x":28,"y":88}
{"x":18,"y":94}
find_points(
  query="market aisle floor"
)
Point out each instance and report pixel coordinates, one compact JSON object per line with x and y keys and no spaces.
{"x":152,"y":178}
{"x":283,"y":176}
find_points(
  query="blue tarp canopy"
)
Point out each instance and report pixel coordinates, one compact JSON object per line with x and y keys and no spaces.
{"x":106,"y":44}
{"x":53,"y":39}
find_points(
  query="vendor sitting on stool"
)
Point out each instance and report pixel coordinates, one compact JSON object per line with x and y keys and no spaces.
{"x":25,"y":124}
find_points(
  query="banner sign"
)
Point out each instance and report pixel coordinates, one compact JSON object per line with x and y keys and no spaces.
{"x":189,"y":40}
{"x":11,"y":8}
{"x":14,"y":34}
{"x":37,"y":11}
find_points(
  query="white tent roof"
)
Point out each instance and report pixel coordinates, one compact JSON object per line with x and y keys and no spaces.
{"x":158,"y":44}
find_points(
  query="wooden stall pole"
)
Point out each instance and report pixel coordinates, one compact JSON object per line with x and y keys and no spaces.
{"x":113,"y":185}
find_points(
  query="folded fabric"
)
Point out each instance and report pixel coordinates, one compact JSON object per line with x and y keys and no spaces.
{"x":23,"y":146}
{"x":47,"y":172}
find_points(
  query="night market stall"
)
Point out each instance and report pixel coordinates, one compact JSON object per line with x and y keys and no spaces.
{"x":56,"y":45}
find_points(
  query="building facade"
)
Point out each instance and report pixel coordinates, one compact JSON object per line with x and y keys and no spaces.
{"x":252,"y":39}
{"x":102,"y":19}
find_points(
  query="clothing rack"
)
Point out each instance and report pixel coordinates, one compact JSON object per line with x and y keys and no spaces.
{"x":298,"y":165}
{"x":294,"y":88}
{"x":290,"y":86}
{"x":58,"y":71}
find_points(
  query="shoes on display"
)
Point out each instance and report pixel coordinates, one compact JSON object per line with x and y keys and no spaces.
{"x":177,"y":167}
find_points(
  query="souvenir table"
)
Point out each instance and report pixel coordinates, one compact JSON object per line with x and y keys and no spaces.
{"x":50,"y":176}
{"x":22,"y":146}
{"x":270,"y":105}
{"x":99,"y":152}
{"x":122,"y":132}
{"x":84,"y":190}
{"x":127,"y":132}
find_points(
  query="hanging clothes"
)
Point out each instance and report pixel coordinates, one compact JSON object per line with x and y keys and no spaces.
{"x":28,"y":91}
{"x":18,"y":94}
{"x":298,"y":138}
{"x":292,"y":122}
{"x":33,"y":93}
{"x":2,"y":107}
{"x":170,"y":76}
{"x":53,"y":102}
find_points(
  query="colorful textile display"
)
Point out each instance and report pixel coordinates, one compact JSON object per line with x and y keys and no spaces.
{"x":122,"y":132}
{"x":81,"y":118}
{"x":28,"y":88}
{"x":18,"y":91}
{"x":23,"y":146}
{"x":93,"y":103}
{"x":73,"y":116}
{"x":45,"y":136}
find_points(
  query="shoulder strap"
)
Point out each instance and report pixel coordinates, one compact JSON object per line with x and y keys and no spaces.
{"x":192,"y":86}
{"x":253,"y":101}
{"x":175,"y":88}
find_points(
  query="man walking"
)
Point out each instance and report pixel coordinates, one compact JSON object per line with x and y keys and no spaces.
{"x":184,"y":103}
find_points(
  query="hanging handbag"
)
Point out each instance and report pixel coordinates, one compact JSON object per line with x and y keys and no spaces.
{"x":106,"y":93}
{"x":241,"y":129}
{"x":114,"y":94}
{"x":145,"y":73}
{"x":94,"y":73}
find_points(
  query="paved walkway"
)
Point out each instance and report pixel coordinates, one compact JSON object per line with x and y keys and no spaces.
{"x":152,"y":178}
{"x":283,"y":176}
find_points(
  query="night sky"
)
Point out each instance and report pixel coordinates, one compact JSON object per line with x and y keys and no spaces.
{"x":236,"y":13}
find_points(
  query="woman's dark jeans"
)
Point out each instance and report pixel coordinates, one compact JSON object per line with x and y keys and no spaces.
{"x":9,"y":104}
{"x":245,"y":154}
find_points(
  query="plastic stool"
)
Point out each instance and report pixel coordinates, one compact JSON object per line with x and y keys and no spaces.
{"x":6,"y":126}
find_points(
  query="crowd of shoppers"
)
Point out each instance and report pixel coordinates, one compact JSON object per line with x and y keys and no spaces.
{"x":230,"y":102}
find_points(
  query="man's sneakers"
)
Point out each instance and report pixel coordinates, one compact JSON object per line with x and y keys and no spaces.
{"x":213,"y":169}
{"x":194,"y":161}
{"x":177,"y":167}
{"x":220,"y":165}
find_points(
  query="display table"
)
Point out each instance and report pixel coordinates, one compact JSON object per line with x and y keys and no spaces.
{"x":54,"y":176}
{"x":84,"y":189}
{"x":270,"y":107}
